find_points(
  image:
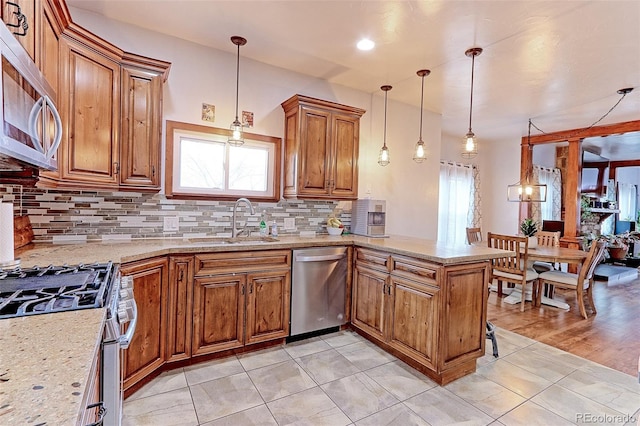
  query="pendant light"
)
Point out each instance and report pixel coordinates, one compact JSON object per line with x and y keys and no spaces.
{"x":419,"y":154}
{"x":236,"y":138}
{"x":470,"y":145}
{"x":525,"y":191}
{"x":383,"y":157}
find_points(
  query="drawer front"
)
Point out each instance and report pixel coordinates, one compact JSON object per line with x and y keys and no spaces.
{"x":374,"y":259}
{"x":241,"y":261}
{"x":415,"y":269}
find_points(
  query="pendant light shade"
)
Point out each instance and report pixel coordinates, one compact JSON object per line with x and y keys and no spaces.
{"x":525,"y":190}
{"x":236,"y":138}
{"x":470,"y":145}
{"x":383,"y":157}
{"x":420,"y":152}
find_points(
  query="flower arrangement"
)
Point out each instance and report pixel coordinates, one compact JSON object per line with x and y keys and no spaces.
{"x":528,"y":227}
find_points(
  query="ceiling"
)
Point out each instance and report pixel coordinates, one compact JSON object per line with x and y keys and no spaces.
{"x":559,"y":63}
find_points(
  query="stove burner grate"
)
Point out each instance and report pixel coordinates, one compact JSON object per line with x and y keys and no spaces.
{"x":54,"y":289}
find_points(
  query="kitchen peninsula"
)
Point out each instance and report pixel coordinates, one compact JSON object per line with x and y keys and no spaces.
{"x":422,"y":301}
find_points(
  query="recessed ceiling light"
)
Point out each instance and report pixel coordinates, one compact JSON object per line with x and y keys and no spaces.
{"x":366,"y":44}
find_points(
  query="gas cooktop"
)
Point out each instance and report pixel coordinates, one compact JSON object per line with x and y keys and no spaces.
{"x":32,"y":291}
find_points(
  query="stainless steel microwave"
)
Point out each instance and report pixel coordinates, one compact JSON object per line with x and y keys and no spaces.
{"x":31,"y":125}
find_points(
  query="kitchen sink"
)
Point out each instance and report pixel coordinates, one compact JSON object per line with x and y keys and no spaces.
{"x":236,"y":240}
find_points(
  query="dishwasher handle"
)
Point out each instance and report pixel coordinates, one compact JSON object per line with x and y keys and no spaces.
{"x":320,"y":258}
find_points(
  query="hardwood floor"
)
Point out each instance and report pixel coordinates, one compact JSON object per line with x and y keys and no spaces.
{"x":611,"y":337}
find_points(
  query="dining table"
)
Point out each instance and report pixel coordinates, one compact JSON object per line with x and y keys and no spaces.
{"x":556,"y":254}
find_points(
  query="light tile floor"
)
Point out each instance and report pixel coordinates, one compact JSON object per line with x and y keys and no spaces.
{"x":342,"y":379}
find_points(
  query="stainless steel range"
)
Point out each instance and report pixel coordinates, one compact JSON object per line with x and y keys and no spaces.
{"x":35,"y":291}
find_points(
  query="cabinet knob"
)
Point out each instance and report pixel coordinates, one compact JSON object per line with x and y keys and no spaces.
{"x":116,"y":168}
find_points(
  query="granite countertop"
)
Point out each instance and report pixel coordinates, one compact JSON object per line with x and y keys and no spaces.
{"x":45,"y":363}
{"x":45,"y":360}
{"x":129,"y":251}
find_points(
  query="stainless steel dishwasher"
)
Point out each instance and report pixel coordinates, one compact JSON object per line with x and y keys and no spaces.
{"x":318,"y":286}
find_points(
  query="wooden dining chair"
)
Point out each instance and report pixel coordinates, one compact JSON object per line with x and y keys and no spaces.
{"x":582,"y":282}
{"x":474,"y":235}
{"x":546,"y":239}
{"x":513,"y":268}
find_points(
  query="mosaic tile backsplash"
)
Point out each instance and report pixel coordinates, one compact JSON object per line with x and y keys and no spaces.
{"x":61,"y":216}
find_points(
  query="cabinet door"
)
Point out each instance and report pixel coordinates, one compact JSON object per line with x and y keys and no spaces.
{"x":141,"y":128}
{"x":218,"y":313}
{"x":268,"y":299}
{"x":464,"y":313}
{"x":315,"y":153}
{"x":368,"y":310}
{"x":414,"y":319}
{"x":90,"y":110}
{"x":146,"y":352}
{"x":49,"y":62}
{"x":345,"y":137}
{"x":30,"y":11}
{"x":179,"y":308}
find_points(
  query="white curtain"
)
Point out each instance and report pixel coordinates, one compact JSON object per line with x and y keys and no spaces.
{"x":627,"y":198}
{"x":458,"y":205}
{"x":551,"y":208}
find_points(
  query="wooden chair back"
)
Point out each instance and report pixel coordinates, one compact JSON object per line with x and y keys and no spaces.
{"x":596,"y":253}
{"x":474,"y":235}
{"x":548,"y":238}
{"x":514,"y":264}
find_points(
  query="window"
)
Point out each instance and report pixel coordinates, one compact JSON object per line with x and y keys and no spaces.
{"x":458,"y":202}
{"x":201,"y":164}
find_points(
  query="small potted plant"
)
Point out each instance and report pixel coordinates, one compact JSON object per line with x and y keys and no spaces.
{"x":618,"y":244}
{"x":529,"y":227}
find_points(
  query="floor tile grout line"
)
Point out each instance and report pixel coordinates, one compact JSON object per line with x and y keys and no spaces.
{"x":543,"y":347}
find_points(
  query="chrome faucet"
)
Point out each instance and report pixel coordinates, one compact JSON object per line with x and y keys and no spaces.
{"x":234,"y":231}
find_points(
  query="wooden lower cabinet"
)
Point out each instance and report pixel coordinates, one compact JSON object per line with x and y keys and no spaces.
{"x":414,"y":322}
{"x":218,"y":313}
{"x":369,"y":300}
{"x":431,"y":316}
{"x":192,"y":305}
{"x":179,"y":314}
{"x":146,"y":353}
{"x":242,"y":305}
{"x":267,"y":312}
{"x":93,"y":398}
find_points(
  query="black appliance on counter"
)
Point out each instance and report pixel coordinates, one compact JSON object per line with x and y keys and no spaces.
{"x":51,"y":289}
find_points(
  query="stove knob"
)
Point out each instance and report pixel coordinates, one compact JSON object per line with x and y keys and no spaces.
{"x":126,"y":282}
{"x":125,"y":294}
{"x":123,"y":315}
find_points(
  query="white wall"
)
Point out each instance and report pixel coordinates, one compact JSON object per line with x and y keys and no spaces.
{"x":203,"y":75}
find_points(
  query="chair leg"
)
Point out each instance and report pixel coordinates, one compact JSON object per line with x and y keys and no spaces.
{"x":524,"y":293}
{"x":580,"y":298}
{"x":491,"y":334}
{"x":590,"y":296}
{"x":499,"y":283}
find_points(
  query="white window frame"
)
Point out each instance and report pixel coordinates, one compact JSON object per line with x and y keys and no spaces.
{"x":177,"y":131}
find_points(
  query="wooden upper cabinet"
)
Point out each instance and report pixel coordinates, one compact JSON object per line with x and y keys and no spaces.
{"x":29,"y":14}
{"x":50,"y":31}
{"x":141,"y":127}
{"x":321,"y":149}
{"x":90,"y":110}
